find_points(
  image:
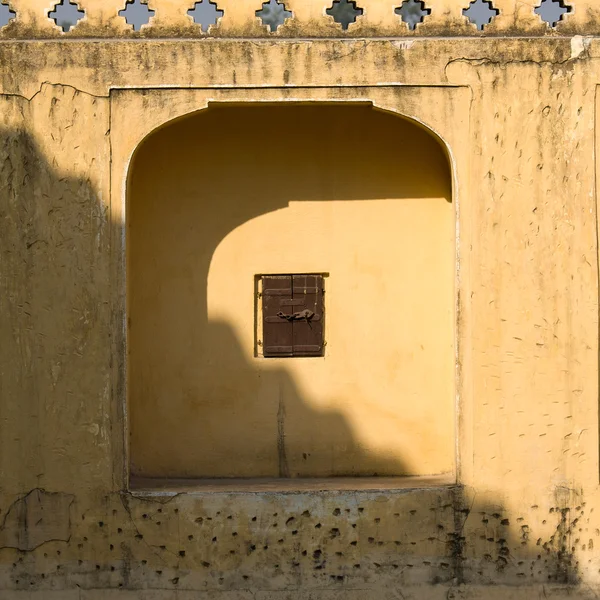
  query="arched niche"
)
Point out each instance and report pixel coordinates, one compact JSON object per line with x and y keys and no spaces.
{"x":224,"y":194}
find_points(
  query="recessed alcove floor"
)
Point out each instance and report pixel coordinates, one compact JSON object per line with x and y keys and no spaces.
{"x":289,"y":485}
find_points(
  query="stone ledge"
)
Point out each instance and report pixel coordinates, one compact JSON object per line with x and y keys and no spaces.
{"x":155,"y":486}
{"x":427,"y":592}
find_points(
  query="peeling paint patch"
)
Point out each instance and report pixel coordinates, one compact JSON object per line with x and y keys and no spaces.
{"x":403,"y":44}
{"x":36,"y":518}
{"x":579,"y":46}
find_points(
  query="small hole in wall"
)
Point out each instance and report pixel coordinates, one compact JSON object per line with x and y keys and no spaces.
{"x":552,"y":11}
{"x":136,"y":13}
{"x":205,"y":14}
{"x":344,"y":12}
{"x":481,"y":13}
{"x":6,"y":14}
{"x":413,"y":12}
{"x":273,"y":14}
{"x":66,"y":14}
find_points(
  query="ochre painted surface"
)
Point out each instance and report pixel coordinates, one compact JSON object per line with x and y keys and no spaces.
{"x":518,"y":117}
{"x":218,"y":198}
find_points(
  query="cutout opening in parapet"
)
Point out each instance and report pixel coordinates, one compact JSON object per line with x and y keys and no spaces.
{"x":552,"y":11}
{"x":344,"y":12}
{"x":7,"y":14}
{"x":362,"y":194}
{"x":273,"y":14}
{"x":137,"y":13}
{"x":481,"y":13}
{"x":66,"y":14}
{"x":206,"y":14}
{"x":412,"y":12}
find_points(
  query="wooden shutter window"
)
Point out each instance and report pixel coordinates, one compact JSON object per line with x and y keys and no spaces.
{"x":292,"y":307}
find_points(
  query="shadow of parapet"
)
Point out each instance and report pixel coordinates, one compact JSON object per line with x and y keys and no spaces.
{"x":541,"y":544}
{"x":55,"y":321}
{"x":251,"y":425}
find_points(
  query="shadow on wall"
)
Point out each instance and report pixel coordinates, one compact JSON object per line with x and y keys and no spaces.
{"x":224,"y":194}
{"x":435,"y":535}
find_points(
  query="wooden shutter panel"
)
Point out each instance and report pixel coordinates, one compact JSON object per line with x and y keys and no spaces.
{"x":307,"y":293}
{"x":277,"y":332}
{"x":292,"y":313}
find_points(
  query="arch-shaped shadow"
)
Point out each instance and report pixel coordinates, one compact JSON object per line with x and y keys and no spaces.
{"x":219,"y":196}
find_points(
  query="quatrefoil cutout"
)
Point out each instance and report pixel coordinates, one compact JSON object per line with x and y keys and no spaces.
{"x":481,"y":13}
{"x":205,"y":13}
{"x":136,"y":13}
{"x":273,"y":14}
{"x":552,"y":11}
{"x":344,"y":12}
{"x":66,"y":15}
{"x":413,"y":12}
{"x":6,"y":14}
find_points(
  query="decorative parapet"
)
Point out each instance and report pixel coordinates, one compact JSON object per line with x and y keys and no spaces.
{"x":26,"y":19}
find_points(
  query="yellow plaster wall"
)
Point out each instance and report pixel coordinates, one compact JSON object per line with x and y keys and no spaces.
{"x":519,"y":117}
{"x":224,"y":195}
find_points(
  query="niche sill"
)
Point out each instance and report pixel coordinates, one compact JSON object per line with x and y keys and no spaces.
{"x":160,"y":486}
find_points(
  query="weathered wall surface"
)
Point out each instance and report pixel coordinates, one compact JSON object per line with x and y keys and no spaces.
{"x":524,"y":514}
